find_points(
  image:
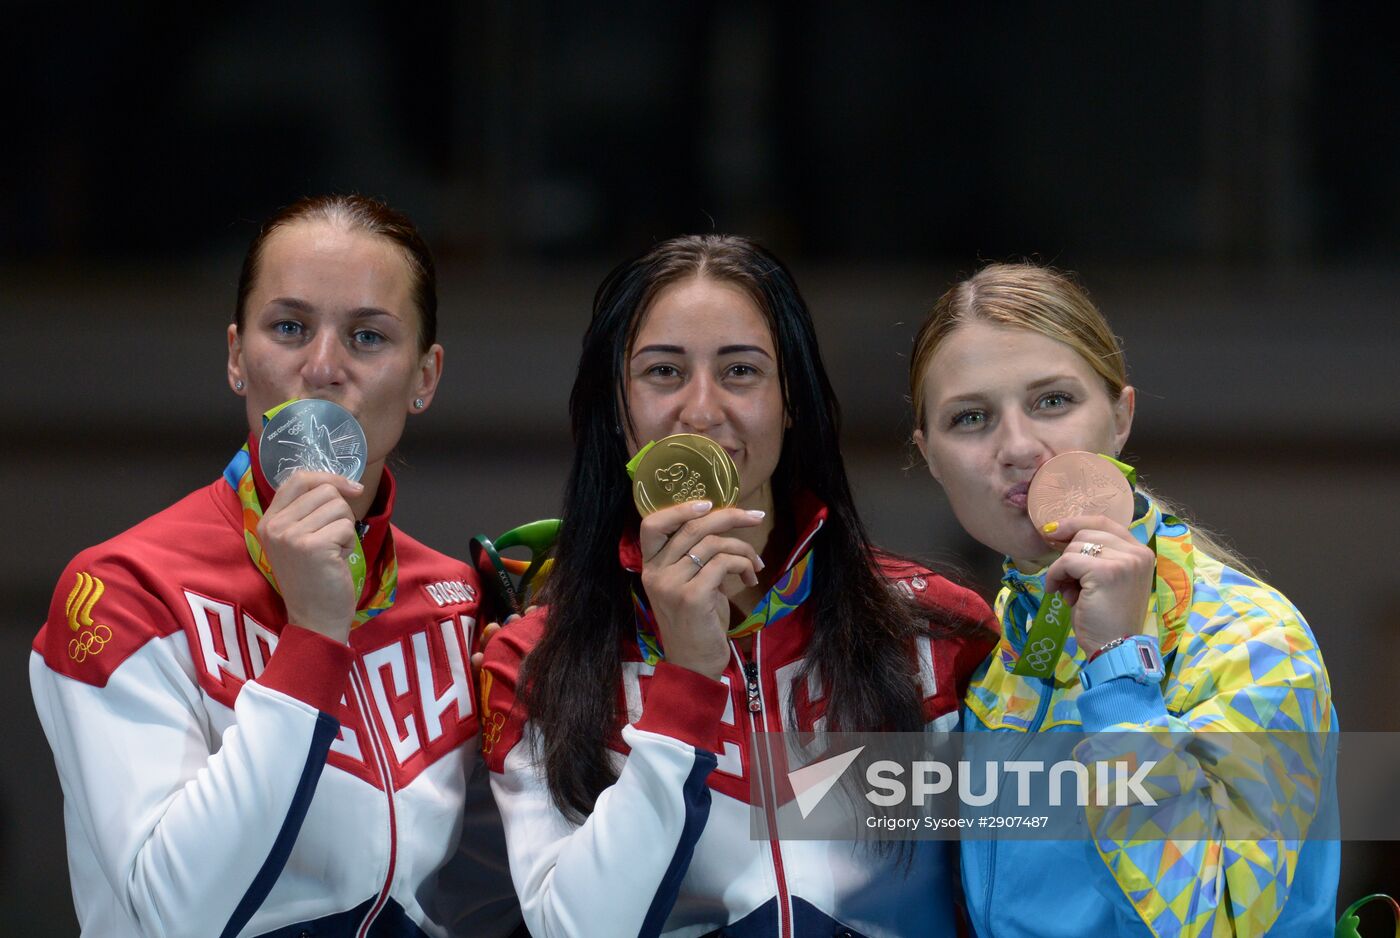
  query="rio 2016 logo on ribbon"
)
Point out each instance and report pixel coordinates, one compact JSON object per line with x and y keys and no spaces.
{"x":1038,"y":655}
{"x":1046,"y":638}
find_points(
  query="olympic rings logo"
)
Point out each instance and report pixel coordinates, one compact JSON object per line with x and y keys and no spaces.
{"x":491,"y":723}
{"x":491,"y":732}
{"x":89,"y":643}
{"x":1040,"y":654}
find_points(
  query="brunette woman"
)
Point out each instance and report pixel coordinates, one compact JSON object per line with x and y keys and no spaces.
{"x":619,"y":718}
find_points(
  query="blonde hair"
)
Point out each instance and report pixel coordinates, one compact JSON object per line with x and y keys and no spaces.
{"x":1021,"y":296}
{"x":1050,"y":302}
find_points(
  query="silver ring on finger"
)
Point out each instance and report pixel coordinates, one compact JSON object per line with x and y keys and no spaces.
{"x":1091,"y":549}
{"x":699,"y":564}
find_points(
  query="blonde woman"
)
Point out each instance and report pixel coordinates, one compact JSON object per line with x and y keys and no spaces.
{"x":1015,"y":365}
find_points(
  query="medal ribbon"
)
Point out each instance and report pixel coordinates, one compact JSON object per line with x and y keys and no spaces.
{"x":1046,"y":641}
{"x":239,"y":475}
{"x":791,"y":590}
{"x":1005,"y":699}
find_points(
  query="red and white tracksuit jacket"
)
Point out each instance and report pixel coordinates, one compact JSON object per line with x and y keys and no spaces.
{"x":667,"y":849}
{"x":227,"y":774}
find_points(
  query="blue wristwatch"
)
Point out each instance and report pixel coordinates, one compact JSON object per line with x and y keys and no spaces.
{"x":1135,"y":656}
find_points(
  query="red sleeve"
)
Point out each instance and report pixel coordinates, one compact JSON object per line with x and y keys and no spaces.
{"x":685,"y":705}
{"x":310,"y":667}
{"x":967,"y":612}
{"x":502,"y":715}
{"x":955,"y":608}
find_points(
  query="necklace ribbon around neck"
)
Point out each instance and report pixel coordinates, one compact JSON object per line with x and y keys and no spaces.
{"x":239,"y":475}
{"x":791,"y":590}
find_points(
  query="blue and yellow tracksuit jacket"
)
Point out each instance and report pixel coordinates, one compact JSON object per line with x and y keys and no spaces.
{"x":1239,"y":658}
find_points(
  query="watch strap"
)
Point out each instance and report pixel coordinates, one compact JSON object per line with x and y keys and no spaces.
{"x":1135,"y":656}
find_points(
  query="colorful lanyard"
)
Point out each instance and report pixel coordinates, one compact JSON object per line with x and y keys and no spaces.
{"x":786,"y":595}
{"x":239,"y":475}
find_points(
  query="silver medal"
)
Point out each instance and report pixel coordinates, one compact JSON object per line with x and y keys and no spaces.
{"x":315,"y":435}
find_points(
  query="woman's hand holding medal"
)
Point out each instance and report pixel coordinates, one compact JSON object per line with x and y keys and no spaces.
{"x":686,"y":559}
{"x":1082,"y":504}
{"x":312,"y":452}
{"x":308,"y":533}
{"x":1105,"y":574}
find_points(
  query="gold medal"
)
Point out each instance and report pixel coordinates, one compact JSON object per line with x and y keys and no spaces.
{"x":685,"y":467}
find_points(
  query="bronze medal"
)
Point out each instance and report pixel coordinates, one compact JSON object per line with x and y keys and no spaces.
{"x":685,"y":467}
{"x":1077,"y":483}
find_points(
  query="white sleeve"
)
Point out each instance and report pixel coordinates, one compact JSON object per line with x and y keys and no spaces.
{"x":619,"y":872}
{"x":190,"y":836}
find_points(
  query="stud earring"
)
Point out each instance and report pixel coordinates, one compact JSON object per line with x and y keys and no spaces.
{"x":238,"y":385}
{"x":418,"y":403}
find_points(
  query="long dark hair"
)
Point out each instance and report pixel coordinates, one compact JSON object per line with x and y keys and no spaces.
{"x":358,"y":213}
{"x":863,"y":630}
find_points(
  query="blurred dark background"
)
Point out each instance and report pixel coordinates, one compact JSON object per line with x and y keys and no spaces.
{"x":1223,"y":174}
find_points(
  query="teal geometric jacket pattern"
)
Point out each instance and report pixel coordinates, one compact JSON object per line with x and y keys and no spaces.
{"x":1240,"y":659}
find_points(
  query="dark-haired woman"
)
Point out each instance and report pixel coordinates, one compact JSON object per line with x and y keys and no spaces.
{"x":1171,"y":633}
{"x":250,"y":741}
{"x":618,"y":718}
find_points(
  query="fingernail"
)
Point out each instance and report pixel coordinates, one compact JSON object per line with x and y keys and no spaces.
{"x":761,"y":564}
{"x":1050,"y":527}
{"x":357,"y":486}
{"x":702,"y":507}
{"x":757,"y":514}
{"x":512,"y":618}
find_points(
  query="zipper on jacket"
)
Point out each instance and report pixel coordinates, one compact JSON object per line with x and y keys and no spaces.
{"x":1041,"y":708}
{"x":381,"y":764}
{"x":751,"y":677}
{"x":767,"y":786}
